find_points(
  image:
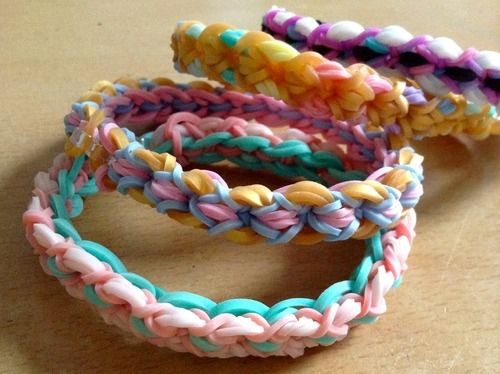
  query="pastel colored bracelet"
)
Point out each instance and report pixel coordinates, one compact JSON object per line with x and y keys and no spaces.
{"x":239,"y":327}
{"x":305,"y":212}
{"x":255,"y":62}
{"x":439,"y":65}
{"x":187,"y":322}
{"x":143,"y":103}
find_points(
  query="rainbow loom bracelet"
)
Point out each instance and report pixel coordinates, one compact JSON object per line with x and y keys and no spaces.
{"x":248,"y":214}
{"x":187,"y":322}
{"x":439,"y":65}
{"x":255,"y":62}
{"x":482,"y":118}
{"x":143,"y":103}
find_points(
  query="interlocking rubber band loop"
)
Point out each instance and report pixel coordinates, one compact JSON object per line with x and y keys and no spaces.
{"x":187,"y":322}
{"x":439,"y":65}
{"x":258,"y":63}
{"x":305,"y":212}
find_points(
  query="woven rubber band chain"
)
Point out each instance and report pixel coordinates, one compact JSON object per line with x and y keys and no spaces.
{"x":439,"y":65}
{"x":184,"y":321}
{"x":255,"y":62}
{"x":360,"y":205}
{"x":393,"y":51}
{"x":360,"y":182}
{"x":181,"y":320}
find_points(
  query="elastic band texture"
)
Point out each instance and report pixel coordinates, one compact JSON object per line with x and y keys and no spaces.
{"x":305,"y":212}
{"x":143,"y":103}
{"x":255,"y":62}
{"x":187,"y":322}
{"x":439,"y":65}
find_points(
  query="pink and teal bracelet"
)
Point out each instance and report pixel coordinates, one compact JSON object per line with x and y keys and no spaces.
{"x":184,"y":321}
{"x":187,"y":322}
{"x":439,"y":65}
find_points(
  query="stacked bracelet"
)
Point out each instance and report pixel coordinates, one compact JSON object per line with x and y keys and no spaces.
{"x":136,"y":136}
{"x":374,"y":196}
{"x":378,"y":209}
{"x":346,"y":137}
{"x":439,"y":65}
{"x":187,"y":322}
{"x":255,"y":62}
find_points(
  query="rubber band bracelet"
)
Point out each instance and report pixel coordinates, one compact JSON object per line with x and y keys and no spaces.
{"x":305,"y":212}
{"x":439,"y":65}
{"x":478,"y":121}
{"x":255,"y":62}
{"x":141,"y":103}
{"x":187,"y":322}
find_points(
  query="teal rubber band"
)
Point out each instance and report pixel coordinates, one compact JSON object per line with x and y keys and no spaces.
{"x":58,"y":206}
{"x":103,"y":254}
{"x":305,"y":159}
{"x":398,"y":282}
{"x":288,"y":148}
{"x":360,"y":277}
{"x":250,"y":160}
{"x":239,"y":161}
{"x":376,"y":46}
{"x":76,"y":206}
{"x":322,"y":159}
{"x":375,"y":242}
{"x":75,"y":168}
{"x":239,"y":307}
{"x":304,"y":172}
{"x":276,"y":316}
{"x":345,"y":176}
{"x":228,"y":76}
{"x":286,"y":307}
{"x":147,"y":139}
{"x":326,"y":340}
{"x":211,"y":140}
{"x":231,"y":37}
{"x":91,"y":296}
{"x":66,"y":189}
{"x":140,"y":282}
{"x":209,"y":158}
{"x":88,"y":189}
{"x":203,"y":344}
{"x":366,"y":320}
{"x":265,"y":346}
{"x":160,"y":292}
{"x":65,"y":228}
{"x":187,"y":300}
{"x":140,"y":326}
{"x":248,"y":143}
{"x":165,"y":147}
{"x":493,"y":111}
{"x":331,"y":295}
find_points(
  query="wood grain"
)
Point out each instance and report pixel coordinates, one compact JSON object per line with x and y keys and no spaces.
{"x":444,"y":318}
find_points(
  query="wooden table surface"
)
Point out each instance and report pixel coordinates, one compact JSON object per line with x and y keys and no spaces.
{"x":444,"y":318}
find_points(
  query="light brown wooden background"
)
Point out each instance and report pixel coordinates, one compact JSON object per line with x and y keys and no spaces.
{"x":444,"y":318}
